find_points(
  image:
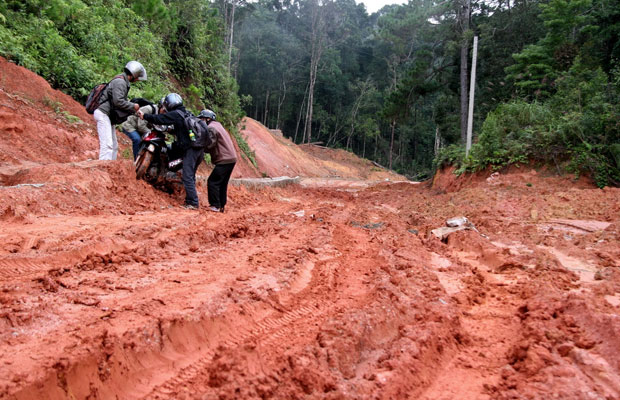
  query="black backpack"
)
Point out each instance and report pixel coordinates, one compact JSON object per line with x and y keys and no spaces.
{"x":94,"y":97}
{"x":199,"y":133}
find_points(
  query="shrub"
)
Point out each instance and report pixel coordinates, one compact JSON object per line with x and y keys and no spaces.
{"x":576,"y":130}
{"x":75,"y":44}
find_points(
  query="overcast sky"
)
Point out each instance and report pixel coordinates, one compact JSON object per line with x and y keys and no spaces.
{"x":374,"y":5}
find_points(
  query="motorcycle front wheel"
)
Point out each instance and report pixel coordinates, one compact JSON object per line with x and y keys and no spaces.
{"x":142,"y":163}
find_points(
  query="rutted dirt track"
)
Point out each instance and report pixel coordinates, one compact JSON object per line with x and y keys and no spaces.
{"x":327,"y":289}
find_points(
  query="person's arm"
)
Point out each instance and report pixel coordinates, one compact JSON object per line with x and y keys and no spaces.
{"x":211,"y":136}
{"x":142,"y":126}
{"x":119,"y":96}
{"x":159,"y":119}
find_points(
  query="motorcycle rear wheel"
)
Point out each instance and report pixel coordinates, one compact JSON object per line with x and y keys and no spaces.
{"x":142,"y":163}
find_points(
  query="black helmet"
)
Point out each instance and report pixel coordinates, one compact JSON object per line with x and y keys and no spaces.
{"x":136,"y":69}
{"x":172,"y":101}
{"x":207,"y":114}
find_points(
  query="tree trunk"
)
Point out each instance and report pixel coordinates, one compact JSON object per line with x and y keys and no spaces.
{"x":364,"y":147}
{"x":334,"y":135}
{"x":364,"y":89}
{"x":312,"y":82}
{"x":317,"y":46}
{"x":391,"y":144}
{"x":374,"y":156}
{"x":464,"y":21}
{"x":280,"y":102}
{"x":301,"y":109}
{"x":266,"y":113}
{"x":232,"y":28}
{"x":401,"y":145}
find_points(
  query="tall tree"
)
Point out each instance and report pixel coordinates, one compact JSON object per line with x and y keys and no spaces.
{"x":318,"y":39}
{"x":464,"y":14}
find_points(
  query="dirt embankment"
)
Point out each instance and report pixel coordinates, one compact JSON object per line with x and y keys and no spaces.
{"x":109,"y":290}
{"x":278,"y":156}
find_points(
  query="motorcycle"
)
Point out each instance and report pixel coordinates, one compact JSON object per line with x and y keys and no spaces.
{"x":157,"y":162}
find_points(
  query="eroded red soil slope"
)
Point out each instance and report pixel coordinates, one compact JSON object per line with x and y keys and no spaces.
{"x":279,"y":156}
{"x":109,"y":290}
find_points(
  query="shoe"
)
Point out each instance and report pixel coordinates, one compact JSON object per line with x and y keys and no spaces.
{"x":222,"y":209}
{"x":190,"y":207}
{"x":214,"y":209}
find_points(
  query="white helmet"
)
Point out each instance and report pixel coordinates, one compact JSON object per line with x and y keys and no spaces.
{"x":136,"y":70}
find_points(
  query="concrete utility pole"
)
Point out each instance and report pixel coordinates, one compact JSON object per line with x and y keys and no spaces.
{"x":472,"y":86}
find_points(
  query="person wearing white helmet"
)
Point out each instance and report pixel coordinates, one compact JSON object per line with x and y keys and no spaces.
{"x":114,"y":108}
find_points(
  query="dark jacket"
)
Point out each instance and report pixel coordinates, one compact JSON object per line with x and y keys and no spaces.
{"x":224,"y":151}
{"x":175,"y":118}
{"x":115,"y":96}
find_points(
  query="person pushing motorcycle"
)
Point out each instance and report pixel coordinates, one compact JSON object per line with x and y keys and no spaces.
{"x":192,"y":157}
{"x":224,"y":157}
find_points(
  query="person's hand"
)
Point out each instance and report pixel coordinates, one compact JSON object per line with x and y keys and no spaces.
{"x":140,"y":114}
{"x":136,"y":106}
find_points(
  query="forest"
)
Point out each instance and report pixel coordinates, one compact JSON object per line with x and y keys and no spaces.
{"x":392,"y":86}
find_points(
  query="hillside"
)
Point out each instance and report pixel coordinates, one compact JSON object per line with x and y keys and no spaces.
{"x":278,"y":156}
{"x":110,"y":290}
{"x":31,"y":109}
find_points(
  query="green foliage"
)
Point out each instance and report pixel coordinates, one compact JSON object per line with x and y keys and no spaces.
{"x":72,"y":119}
{"x":57,"y":107}
{"x":244,"y":146}
{"x":453,"y":154}
{"x":570,"y":26}
{"x":75,"y":44}
{"x":126,"y":154}
{"x":554,"y":101}
{"x":532,"y":71}
{"x":577,"y":130}
{"x":53,"y":104}
{"x":568,"y":115}
{"x":155,"y":13}
{"x":514,"y":133}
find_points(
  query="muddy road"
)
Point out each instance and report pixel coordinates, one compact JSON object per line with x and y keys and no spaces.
{"x":315,"y":290}
{"x":330,"y":288}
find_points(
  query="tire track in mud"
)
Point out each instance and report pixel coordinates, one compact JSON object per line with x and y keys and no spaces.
{"x":316,"y":284}
{"x":267,"y":331}
{"x":19,"y":267}
{"x":489,"y":317}
{"x":14,"y":268}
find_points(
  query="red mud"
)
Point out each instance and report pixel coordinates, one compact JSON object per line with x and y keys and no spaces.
{"x":279,"y":156}
{"x":109,"y":290}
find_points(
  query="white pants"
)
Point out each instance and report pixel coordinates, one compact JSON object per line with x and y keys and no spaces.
{"x":108,"y":144}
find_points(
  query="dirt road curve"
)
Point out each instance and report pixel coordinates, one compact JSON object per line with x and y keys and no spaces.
{"x":313,"y":292}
